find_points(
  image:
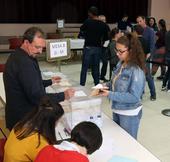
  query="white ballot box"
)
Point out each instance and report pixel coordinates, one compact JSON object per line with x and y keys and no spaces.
{"x":85,"y":109}
{"x":81,"y":107}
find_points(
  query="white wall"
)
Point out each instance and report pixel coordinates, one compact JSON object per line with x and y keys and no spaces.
{"x":161,"y":9}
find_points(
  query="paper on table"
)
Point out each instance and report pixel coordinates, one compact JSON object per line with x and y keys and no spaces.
{"x":48,"y":74}
{"x":121,"y":159}
{"x":79,"y":94}
{"x":98,"y":86}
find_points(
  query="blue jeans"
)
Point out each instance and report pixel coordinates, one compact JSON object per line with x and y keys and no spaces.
{"x":129,"y":123}
{"x":91,"y":58}
{"x":150,"y":80}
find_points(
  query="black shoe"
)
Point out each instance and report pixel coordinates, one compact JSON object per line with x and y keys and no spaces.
{"x":164,"y":88}
{"x":153,"y":98}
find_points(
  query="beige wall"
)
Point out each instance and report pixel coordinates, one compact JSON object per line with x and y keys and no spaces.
{"x":161,"y":9}
{"x":18,"y":29}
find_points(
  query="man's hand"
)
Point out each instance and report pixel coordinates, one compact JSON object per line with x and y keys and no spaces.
{"x":69,"y":93}
{"x":56,"y":79}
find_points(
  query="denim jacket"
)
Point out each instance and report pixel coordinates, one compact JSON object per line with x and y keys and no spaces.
{"x":128,"y":87}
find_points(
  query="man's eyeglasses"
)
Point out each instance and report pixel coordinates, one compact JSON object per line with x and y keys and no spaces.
{"x":38,"y":47}
{"x":120,"y":51}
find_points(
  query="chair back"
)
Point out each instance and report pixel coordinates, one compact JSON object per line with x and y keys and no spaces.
{"x":2,"y":144}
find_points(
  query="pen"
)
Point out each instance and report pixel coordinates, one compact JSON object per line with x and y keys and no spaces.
{"x":60,"y":135}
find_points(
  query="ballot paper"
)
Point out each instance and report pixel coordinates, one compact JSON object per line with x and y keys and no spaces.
{"x":49,"y":74}
{"x":98,"y":86}
{"x":79,"y":93}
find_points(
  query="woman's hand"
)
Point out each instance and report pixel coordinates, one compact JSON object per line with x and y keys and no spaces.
{"x":104,"y":92}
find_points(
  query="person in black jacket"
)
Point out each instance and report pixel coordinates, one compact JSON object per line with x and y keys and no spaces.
{"x":22,"y":79}
{"x":104,"y":57}
{"x":95,"y":33}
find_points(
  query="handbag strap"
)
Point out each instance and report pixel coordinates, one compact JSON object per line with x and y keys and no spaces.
{"x":3,"y":133}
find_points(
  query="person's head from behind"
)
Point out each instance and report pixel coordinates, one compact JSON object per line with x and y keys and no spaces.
{"x":33,"y":41}
{"x":102,"y":18}
{"x":125,"y":17}
{"x":129,"y":50}
{"x":41,"y":120}
{"x":162,"y":24}
{"x":87,"y":135}
{"x":115,"y":34}
{"x":93,"y":12}
{"x":141,"y":20}
{"x":138,"y":30}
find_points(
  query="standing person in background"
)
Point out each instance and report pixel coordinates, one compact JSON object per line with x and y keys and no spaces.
{"x":86,"y":138}
{"x":149,"y":36}
{"x":166,"y":79}
{"x":127,"y":85}
{"x":23,"y":81}
{"x":35,"y":131}
{"x":159,"y":53}
{"x":104,"y":56}
{"x":95,"y":33}
{"x":152,"y":24}
{"x":113,"y":58}
{"x":138,"y":30}
{"x":124,"y":23}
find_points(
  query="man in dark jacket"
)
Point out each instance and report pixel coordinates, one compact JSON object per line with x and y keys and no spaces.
{"x":95,"y":33}
{"x":22,"y":79}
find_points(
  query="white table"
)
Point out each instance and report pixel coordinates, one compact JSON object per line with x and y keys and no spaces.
{"x":116,"y":141}
{"x":76,"y":44}
{"x":2,"y":90}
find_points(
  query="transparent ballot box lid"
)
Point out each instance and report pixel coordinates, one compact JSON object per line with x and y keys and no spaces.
{"x":82,"y":107}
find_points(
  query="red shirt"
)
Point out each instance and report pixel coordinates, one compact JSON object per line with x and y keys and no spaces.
{"x":52,"y":154}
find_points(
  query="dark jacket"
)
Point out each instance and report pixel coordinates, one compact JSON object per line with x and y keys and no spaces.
{"x":23,"y":86}
{"x":95,"y":32}
{"x":112,"y":54}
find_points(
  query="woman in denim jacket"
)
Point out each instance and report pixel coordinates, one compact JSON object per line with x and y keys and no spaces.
{"x":127,"y":84}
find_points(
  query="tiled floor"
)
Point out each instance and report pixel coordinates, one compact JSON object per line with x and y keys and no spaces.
{"x":154,"y":132}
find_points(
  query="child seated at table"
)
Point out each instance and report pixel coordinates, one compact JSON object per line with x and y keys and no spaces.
{"x":86,"y":138}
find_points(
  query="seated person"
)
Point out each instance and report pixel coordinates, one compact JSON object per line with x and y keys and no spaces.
{"x":86,"y":138}
{"x":35,"y":131}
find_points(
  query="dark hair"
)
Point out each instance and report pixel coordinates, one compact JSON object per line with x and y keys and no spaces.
{"x":140,"y":16}
{"x":138,"y":29}
{"x":87,"y":134}
{"x":136,"y":54}
{"x":153,"y":20}
{"x":31,"y":32}
{"x":93,"y":10}
{"x":113,"y":32}
{"x":162,"y":23}
{"x":41,"y":120}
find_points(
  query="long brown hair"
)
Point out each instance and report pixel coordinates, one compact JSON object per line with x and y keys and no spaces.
{"x":136,"y":54}
{"x":41,"y":120}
